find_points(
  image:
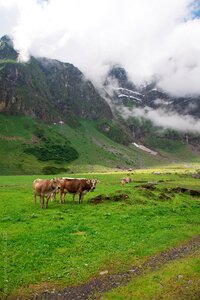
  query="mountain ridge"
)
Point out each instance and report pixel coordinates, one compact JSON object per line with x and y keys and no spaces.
{"x":47,"y":89}
{"x":148,"y":94}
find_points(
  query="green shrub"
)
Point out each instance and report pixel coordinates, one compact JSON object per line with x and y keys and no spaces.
{"x":48,"y":170}
{"x":57,"y":153}
{"x":51,"y":145}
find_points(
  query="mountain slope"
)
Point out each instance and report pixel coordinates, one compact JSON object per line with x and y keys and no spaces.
{"x":95,"y":151}
{"x":46,"y":89}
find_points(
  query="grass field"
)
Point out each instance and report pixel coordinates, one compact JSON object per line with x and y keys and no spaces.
{"x":69,"y":244}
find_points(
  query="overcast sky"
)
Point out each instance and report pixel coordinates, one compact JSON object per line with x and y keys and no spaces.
{"x":150,"y":38}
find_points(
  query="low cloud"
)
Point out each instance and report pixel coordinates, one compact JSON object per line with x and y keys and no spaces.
{"x":156,"y":38}
{"x":162,"y":118}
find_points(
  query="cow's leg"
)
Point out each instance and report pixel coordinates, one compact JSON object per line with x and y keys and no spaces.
{"x":42,"y":201}
{"x":73,"y":198}
{"x":64,"y":195}
{"x":35,"y":198}
{"x":47,"y":200}
{"x":53,"y":196}
{"x":80,"y":197}
{"x":61,"y":194}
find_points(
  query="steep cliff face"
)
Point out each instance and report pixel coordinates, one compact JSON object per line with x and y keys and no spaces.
{"x":46,"y":89}
{"x":71,"y":92}
{"x":23,"y":90}
{"x":6,"y":48}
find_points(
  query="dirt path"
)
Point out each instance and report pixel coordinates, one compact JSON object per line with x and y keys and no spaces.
{"x":107,"y":282}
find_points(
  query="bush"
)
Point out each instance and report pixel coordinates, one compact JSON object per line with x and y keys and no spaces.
{"x":48,"y":170}
{"x":51,"y":146}
{"x":56,"y":152}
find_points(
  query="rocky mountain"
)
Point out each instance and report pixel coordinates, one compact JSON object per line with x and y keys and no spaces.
{"x":95,"y":131}
{"x":46,"y":89}
{"x":54,"y":91}
{"x":124,"y":92}
{"x":6,"y":48}
{"x":124,"y":96}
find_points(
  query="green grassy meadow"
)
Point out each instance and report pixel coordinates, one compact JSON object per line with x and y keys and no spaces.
{"x":70,"y":244}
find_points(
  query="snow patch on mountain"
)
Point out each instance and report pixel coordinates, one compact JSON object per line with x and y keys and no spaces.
{"x":145,"y":149}
{"x":127,"y":96}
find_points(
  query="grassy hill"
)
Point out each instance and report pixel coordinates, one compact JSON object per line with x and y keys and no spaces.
{"x":23,"y":140}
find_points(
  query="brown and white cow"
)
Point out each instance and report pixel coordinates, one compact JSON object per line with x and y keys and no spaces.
{"x":44,"y":188}
{"x":76,"y":186}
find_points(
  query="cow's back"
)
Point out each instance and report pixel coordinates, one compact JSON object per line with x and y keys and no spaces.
{"x":74,"y":185}
{"x":42,"y":186}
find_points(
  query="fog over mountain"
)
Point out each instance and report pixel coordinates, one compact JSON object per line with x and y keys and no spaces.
{"x":154,"y":39}
{"x":164,"y":119}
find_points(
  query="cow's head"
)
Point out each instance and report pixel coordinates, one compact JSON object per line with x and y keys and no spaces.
{"x":92,"y":183}
{"x":56,"y":183}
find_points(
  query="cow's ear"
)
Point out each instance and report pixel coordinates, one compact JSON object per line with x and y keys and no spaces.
{"x":88,"y":181}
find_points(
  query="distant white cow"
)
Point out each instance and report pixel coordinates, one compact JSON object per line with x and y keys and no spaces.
{"x":125,"y":180}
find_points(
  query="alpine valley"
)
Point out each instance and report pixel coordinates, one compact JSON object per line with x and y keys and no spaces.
{"x":54,"y":120}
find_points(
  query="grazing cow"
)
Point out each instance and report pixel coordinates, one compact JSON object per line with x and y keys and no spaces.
{"x":125,"y":180}
{"x":76,"y":186}
{"x":55,"y":192}
{"x":45,"y":188}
